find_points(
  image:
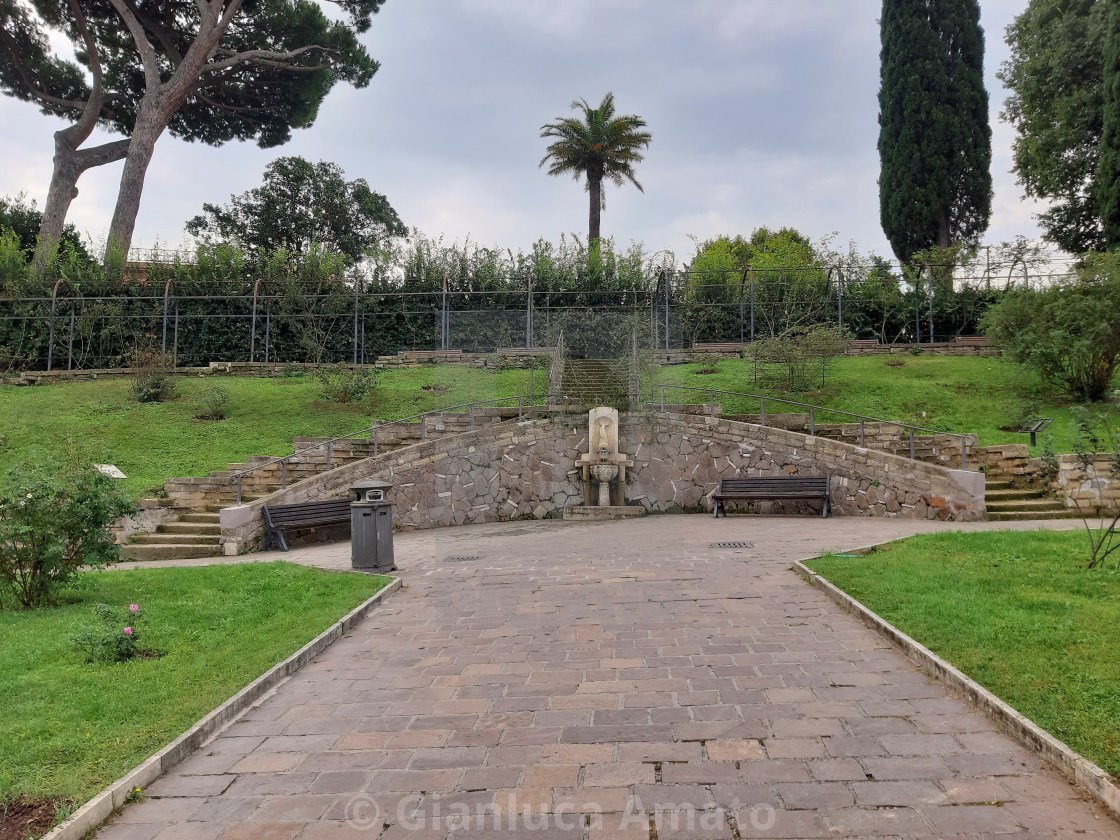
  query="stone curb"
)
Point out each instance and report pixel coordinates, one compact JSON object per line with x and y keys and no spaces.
{"x":105,"y":803}
{"x":1078,"y":769}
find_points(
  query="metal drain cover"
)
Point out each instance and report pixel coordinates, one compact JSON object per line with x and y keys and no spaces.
{"x":733,"y":545}
{"x":462,"y":558}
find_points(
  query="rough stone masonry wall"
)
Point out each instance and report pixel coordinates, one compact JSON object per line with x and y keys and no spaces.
{"x":1088,"y":490}
{"x":524,"y":470}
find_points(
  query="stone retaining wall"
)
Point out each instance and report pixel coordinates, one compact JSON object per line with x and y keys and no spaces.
{"x":523,"y":470}
{"x":1088,"y":490}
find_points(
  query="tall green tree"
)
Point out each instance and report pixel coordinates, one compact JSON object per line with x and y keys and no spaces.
{"x":300,"y":205}
{"x":935,"y":144}
{"x":1055,"y":76}
{"x":597,"y":146}
{"x":1107,"y":193}
{"x":209,"y":70}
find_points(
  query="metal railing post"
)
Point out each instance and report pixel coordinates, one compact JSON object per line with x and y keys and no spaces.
{"x":812,"y":422}
{"x":239,"y":489}
{"x":330,"y":450}
{"x":861,"y":431}
{"x":519,"y":414}
{"x":662,"y":398}
{"x":964,"y":453}
{"x":423,"y":427}
{"x":762,"y":410}
{"x":711,"y":404}
{"x":375,"y":441}
{"x":472,"y":418}
{"x":911,"y":443}
{"x":284,"y":474}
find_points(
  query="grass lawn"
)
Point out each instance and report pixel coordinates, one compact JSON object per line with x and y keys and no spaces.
{"x":69,"y":727}
{"x":154,"y":441}
{"x":946,"y":393}
{"x":1016,"y":611}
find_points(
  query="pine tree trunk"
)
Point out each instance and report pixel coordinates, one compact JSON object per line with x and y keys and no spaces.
{"x":595,"y":189}
{"x":69,"y":164}
{"x":148,"y":129}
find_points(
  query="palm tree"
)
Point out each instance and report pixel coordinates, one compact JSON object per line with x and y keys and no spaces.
{"x":599,"y":145}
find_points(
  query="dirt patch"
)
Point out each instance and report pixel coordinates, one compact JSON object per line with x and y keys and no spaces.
{"x":22,"y":817}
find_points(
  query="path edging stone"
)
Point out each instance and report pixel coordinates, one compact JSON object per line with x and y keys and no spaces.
{"x":105,"y":803}
{"x":1074,"y":766}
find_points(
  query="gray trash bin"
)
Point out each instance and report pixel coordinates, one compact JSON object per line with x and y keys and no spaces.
{"x":371,"y":527}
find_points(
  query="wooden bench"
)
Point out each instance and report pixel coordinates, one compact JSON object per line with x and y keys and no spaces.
{"x":277,"y":518}
{"x":430,"y":354}
{"x":973,"y":340}
{"x":771,"y":487}
{"x":729,"y":347}
{"x":865,"y":343}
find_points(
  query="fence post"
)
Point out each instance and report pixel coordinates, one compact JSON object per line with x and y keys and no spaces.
{"x":861,"y":431}
{"x":662,"y":387}
{"x":284,"y":474}
{"x":239,"y":489}
{"x":472,"y":418}
{"x":911,"y":443}
{"x":357,"y":293}
{"x":711,"y":404}
{"x":267,"y":324}
{"x":253,"y":327}
{"x":964,"y":453}
{"x":812,"y":422}
{"x":375,"y":441}
{"x":423,"y":427}
{"x":762,"y":410}
{"x":175,"y":346}
{"x":519,"y":414}
{"x":70,"y":343}
{"x":330,"y":450}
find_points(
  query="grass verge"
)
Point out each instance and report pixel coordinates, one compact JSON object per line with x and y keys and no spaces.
{"x":69,"y":727}
{"x":1016,"y":611}
{"x":988,"y":396}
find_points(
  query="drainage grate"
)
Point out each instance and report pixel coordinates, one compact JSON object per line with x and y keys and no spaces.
{"x":733,"y":545}
{"x":462,"y":558}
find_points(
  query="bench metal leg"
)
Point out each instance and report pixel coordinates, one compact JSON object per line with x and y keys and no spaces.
{"x":827,"y":508}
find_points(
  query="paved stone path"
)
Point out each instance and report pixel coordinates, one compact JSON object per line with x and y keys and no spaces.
{"x":618,"y":680}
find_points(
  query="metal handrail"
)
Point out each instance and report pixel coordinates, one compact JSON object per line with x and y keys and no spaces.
{"x":813,"y":409}
{"x":372,"y":432}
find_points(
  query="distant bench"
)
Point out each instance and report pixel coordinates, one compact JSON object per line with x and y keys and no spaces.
{"x":278,"y":518}
{"x":972,"y":340}
{"x":865,"y":343}
{"x":763,"y":488}
{"x":729,"y":347}
{"x":430,"y":354}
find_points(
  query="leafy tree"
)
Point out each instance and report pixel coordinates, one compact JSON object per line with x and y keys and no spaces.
{"x":22,"y":216}
{"x":299,"y":205}
{"x":1107,"y":192}
{"x":209,"y":70}
{"x":1069,"y":332}
{"x":597,"y":146}
{"x":935,"y":144}
{"x":1055,"y":75}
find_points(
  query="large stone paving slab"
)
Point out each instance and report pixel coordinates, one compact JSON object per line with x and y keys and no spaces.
{"x":618,"y":680}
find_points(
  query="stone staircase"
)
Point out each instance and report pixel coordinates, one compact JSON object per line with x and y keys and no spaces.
{"x":195,"y":530}
{"x":1007,"y":503}
{"x":589,"y":383}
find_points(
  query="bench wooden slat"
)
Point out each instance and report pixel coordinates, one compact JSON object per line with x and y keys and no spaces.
{"x":772,"y":487}
{"x":304,"y":515}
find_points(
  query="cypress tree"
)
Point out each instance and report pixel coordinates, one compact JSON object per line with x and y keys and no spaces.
{"x":1107,"y":187}
{"x":935,"y":143}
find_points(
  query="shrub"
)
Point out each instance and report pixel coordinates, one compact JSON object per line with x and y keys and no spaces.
{"x":213,"y":403}
{"x":154,"y":379}
{"x":343,"y":385}
{"x":1069,"y":332}
{"x":115,"y":637}
{"x":54,"y":521}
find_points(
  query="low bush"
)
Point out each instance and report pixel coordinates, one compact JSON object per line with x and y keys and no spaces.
{"x":340,"y":384}
{"x":154,"y":377}
{"x":213,"y":402}
{"x":53,"y":522}
{"x":115,"y":636}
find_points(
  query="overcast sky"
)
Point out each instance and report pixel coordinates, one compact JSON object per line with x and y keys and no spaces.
{"x":763,"y":112}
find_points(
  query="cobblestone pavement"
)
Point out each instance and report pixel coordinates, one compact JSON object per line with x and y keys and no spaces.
{"x":616,"y":680}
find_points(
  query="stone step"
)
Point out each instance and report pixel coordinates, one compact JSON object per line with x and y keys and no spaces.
{"x":192,"y":528}
{"x":175,"y":539}
{"x":1025,"y":505}
{"x":169,"y":552}
{"x":196,"y":516}
{"x":1012,"y":493}
{"x":999,"y":484}
{"x":1017,"y":516}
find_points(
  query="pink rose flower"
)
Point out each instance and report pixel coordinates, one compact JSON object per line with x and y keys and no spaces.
{"x":134,"y":608}
{"x":128,"y":631}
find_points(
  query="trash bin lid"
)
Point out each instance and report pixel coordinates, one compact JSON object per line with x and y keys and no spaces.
{"x":362,"y":487}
